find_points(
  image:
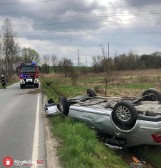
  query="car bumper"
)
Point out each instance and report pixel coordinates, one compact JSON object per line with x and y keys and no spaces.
{"x":51,"y":109}
{"x":29,"y":81}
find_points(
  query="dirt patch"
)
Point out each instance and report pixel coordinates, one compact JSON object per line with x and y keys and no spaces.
{"x":31,"y":92}
{"x":34,"y":91}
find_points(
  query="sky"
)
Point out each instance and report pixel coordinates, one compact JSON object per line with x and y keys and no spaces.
{"x":68,"y":28}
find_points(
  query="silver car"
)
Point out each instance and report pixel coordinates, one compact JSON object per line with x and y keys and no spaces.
{"x":118,"y":121}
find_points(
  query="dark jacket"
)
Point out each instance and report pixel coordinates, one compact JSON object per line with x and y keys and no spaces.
{"x":2,"y":79}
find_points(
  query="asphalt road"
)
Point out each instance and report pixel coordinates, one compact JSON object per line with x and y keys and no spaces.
{"x":21,"y":126}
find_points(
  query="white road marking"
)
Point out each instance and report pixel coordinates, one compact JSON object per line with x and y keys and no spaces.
{"x":35,"y":149}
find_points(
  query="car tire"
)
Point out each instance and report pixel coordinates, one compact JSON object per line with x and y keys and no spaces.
{"x":124,"y":115}
{"x":21,"y":86}
{"x":91,"y":92}
{"x":154,"y":95}
{"x":63,"y":105}
{"x":37,"y":85}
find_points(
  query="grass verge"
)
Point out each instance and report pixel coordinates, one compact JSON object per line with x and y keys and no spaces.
{"x":79,"y":146}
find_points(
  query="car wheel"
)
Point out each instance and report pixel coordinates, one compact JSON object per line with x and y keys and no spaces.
{"x":37,"y":85}
{"x":91,"y":92}
{"x":63,"y":105}
{"x":152,"y":95}
{"x":21,"y":86}
{"x":124,"y":115}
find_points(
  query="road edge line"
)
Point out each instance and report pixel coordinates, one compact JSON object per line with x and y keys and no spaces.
{"x":35,"y":148}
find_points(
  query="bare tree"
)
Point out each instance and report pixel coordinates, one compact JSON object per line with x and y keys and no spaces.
{"x":97,"y":64}
{"x":46,"y":60}
{"x":107,"y":64}
{"x":65,"y":65}
{"x":54,"y":61}
{"x":9,"y":46}
{"x":74,"y":75}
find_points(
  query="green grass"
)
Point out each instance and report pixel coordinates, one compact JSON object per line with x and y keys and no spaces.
{"x":80,"y":146}
{"x":63,"y":87}
{"x":151,"y":153}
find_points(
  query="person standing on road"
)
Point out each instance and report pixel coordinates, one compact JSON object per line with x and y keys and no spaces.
{"x":3,"y":81}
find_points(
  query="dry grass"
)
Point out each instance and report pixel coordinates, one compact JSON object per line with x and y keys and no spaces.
{"x":149,"y":72}
{"x":14,"y":79}
{"x":130,"y":73}
{"x":52,"y":75}
{"x":124,"y":83}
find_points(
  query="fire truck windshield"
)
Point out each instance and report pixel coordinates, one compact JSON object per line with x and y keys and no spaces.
{"x":28,"y":69}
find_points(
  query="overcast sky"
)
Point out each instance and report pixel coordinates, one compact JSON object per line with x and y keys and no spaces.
{"x":62,"y":27}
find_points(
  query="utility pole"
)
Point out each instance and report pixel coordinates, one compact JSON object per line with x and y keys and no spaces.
{"x":108,"y":51}
{"x":108,"y":71}
{"x":116,"y":53}
{"x":86,"y":62}
{"x":78,"y":59}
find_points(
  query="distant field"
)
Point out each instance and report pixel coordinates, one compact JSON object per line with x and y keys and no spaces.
{"x":127,"y":83}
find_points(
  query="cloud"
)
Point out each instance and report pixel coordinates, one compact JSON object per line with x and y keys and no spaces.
{"x":62,"y":27}
{"x":142,"y":3}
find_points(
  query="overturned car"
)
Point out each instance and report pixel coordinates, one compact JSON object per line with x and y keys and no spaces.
{"x":119,"y":121}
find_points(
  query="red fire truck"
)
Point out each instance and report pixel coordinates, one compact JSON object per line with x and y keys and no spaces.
{"x":28,"y":74}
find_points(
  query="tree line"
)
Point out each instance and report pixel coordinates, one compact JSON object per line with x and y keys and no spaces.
{"x":130,"y":61}
{"x":102,"y":63}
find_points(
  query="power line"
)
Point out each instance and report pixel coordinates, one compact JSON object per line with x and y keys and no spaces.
{"x":107,"y":21}
{"x":84,"y":16}
{"x":58,"y":23}
{"x":87,"y":33}
{"x":18,"y":2}
{"x":68,"y":17}
{"x":98,"y":8}
{"x":99,"y":34}
{"x":92,"y":34}
{"x":41,"y":1}
{"x":91,"y":22}
{"x":100,"y":16}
